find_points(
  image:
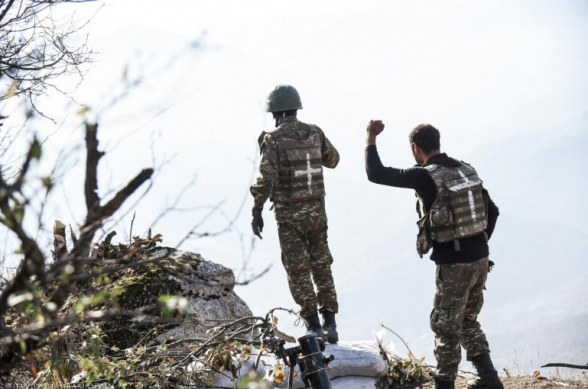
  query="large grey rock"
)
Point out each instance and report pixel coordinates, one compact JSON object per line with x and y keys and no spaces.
{"x":208,"y":287}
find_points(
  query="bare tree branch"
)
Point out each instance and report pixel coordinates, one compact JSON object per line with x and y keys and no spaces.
{"x":32,"y":269}
{"x":92,"y":159}
{"x":33,"y":48}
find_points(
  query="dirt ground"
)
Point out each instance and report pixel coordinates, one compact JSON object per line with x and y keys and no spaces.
{"x":524,"y":382}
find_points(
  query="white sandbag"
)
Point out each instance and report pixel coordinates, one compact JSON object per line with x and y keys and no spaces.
{"x":356,"y":359}
{"x":359,"y":362}
{"x":354,"y":383}
{"x":360,"y":359}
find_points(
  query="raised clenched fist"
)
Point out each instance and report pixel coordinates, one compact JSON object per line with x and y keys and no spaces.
{"x":375,"y":128}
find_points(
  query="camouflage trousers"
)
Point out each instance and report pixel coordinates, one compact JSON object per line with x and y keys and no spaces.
{"x":302,"y":228}
{"x":454,"y":319}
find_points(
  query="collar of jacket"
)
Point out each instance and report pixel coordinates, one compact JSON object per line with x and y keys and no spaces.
{"x":443,"y":160}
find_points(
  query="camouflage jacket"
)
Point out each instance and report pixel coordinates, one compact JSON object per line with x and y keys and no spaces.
{"x":270,"y":163}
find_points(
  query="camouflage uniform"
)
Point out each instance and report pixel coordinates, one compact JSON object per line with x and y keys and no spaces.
{"x":459,"y":211}
{"x":457,"y":218}
{"x":302,"y":222}
{"x":458,"y":301}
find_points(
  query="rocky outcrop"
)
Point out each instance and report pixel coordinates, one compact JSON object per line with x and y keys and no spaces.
{"x":203,"y":291}
{"x":208,"y":288}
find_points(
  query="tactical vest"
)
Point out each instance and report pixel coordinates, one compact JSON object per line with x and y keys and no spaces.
{"x":459,"y":210}
{"x":300,"y":165}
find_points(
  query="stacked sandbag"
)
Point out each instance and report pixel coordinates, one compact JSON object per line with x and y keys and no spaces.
{"x":357,"y":365}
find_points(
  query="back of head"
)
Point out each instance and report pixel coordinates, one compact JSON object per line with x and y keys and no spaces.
{"x":426,"y":137}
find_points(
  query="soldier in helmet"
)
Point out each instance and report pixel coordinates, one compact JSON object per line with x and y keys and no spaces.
{"x":291,"y":176}
{"x":457,"y":218}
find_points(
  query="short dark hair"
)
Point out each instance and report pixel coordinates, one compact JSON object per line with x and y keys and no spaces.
{"x":426,"y":137}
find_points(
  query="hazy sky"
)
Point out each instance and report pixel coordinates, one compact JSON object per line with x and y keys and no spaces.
{"x":483,"y":72}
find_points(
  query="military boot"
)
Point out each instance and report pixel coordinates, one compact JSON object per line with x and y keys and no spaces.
{"x":314,"y":325}
{"x":442,"y":384}
{"x":330,"y":327}
{"x":487,"y":374}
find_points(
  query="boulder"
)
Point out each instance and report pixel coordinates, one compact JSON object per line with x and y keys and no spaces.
{"x":203,"y":288}
{"x":208,"y":289}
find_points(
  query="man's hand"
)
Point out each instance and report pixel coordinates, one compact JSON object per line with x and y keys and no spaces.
{"x":257,"y":222}
{"x":374,"y":128}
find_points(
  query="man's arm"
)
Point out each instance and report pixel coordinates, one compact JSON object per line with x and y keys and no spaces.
{"x":330,"y":154}
{"x":414,"y":178}
{"x":268,"y":172}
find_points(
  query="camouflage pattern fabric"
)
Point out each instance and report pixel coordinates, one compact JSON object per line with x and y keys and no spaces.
{"x":302,"y":225}
{"x":459,"y":210}
{"x":301,"y":171}
{"x":272,"y":160}
{"x":454,"y":319}
{"x":302,"y":228}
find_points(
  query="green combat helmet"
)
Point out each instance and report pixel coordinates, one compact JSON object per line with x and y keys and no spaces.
{"x":283,"y":98}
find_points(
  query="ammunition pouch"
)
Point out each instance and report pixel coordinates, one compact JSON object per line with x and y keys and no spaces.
{"x":441,"y":217}
{"x":424,"y":241}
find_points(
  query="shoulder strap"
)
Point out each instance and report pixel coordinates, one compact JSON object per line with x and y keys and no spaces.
{"x":468,"y":169}
{"x":433,"y":170}
{"x":260,"y":139}
{"x":277,"y":133}
{"x":313,"y":128}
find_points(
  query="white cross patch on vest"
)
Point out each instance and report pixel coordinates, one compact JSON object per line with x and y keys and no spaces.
{"x":470,"y":197}
{"x":308,"y":172}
